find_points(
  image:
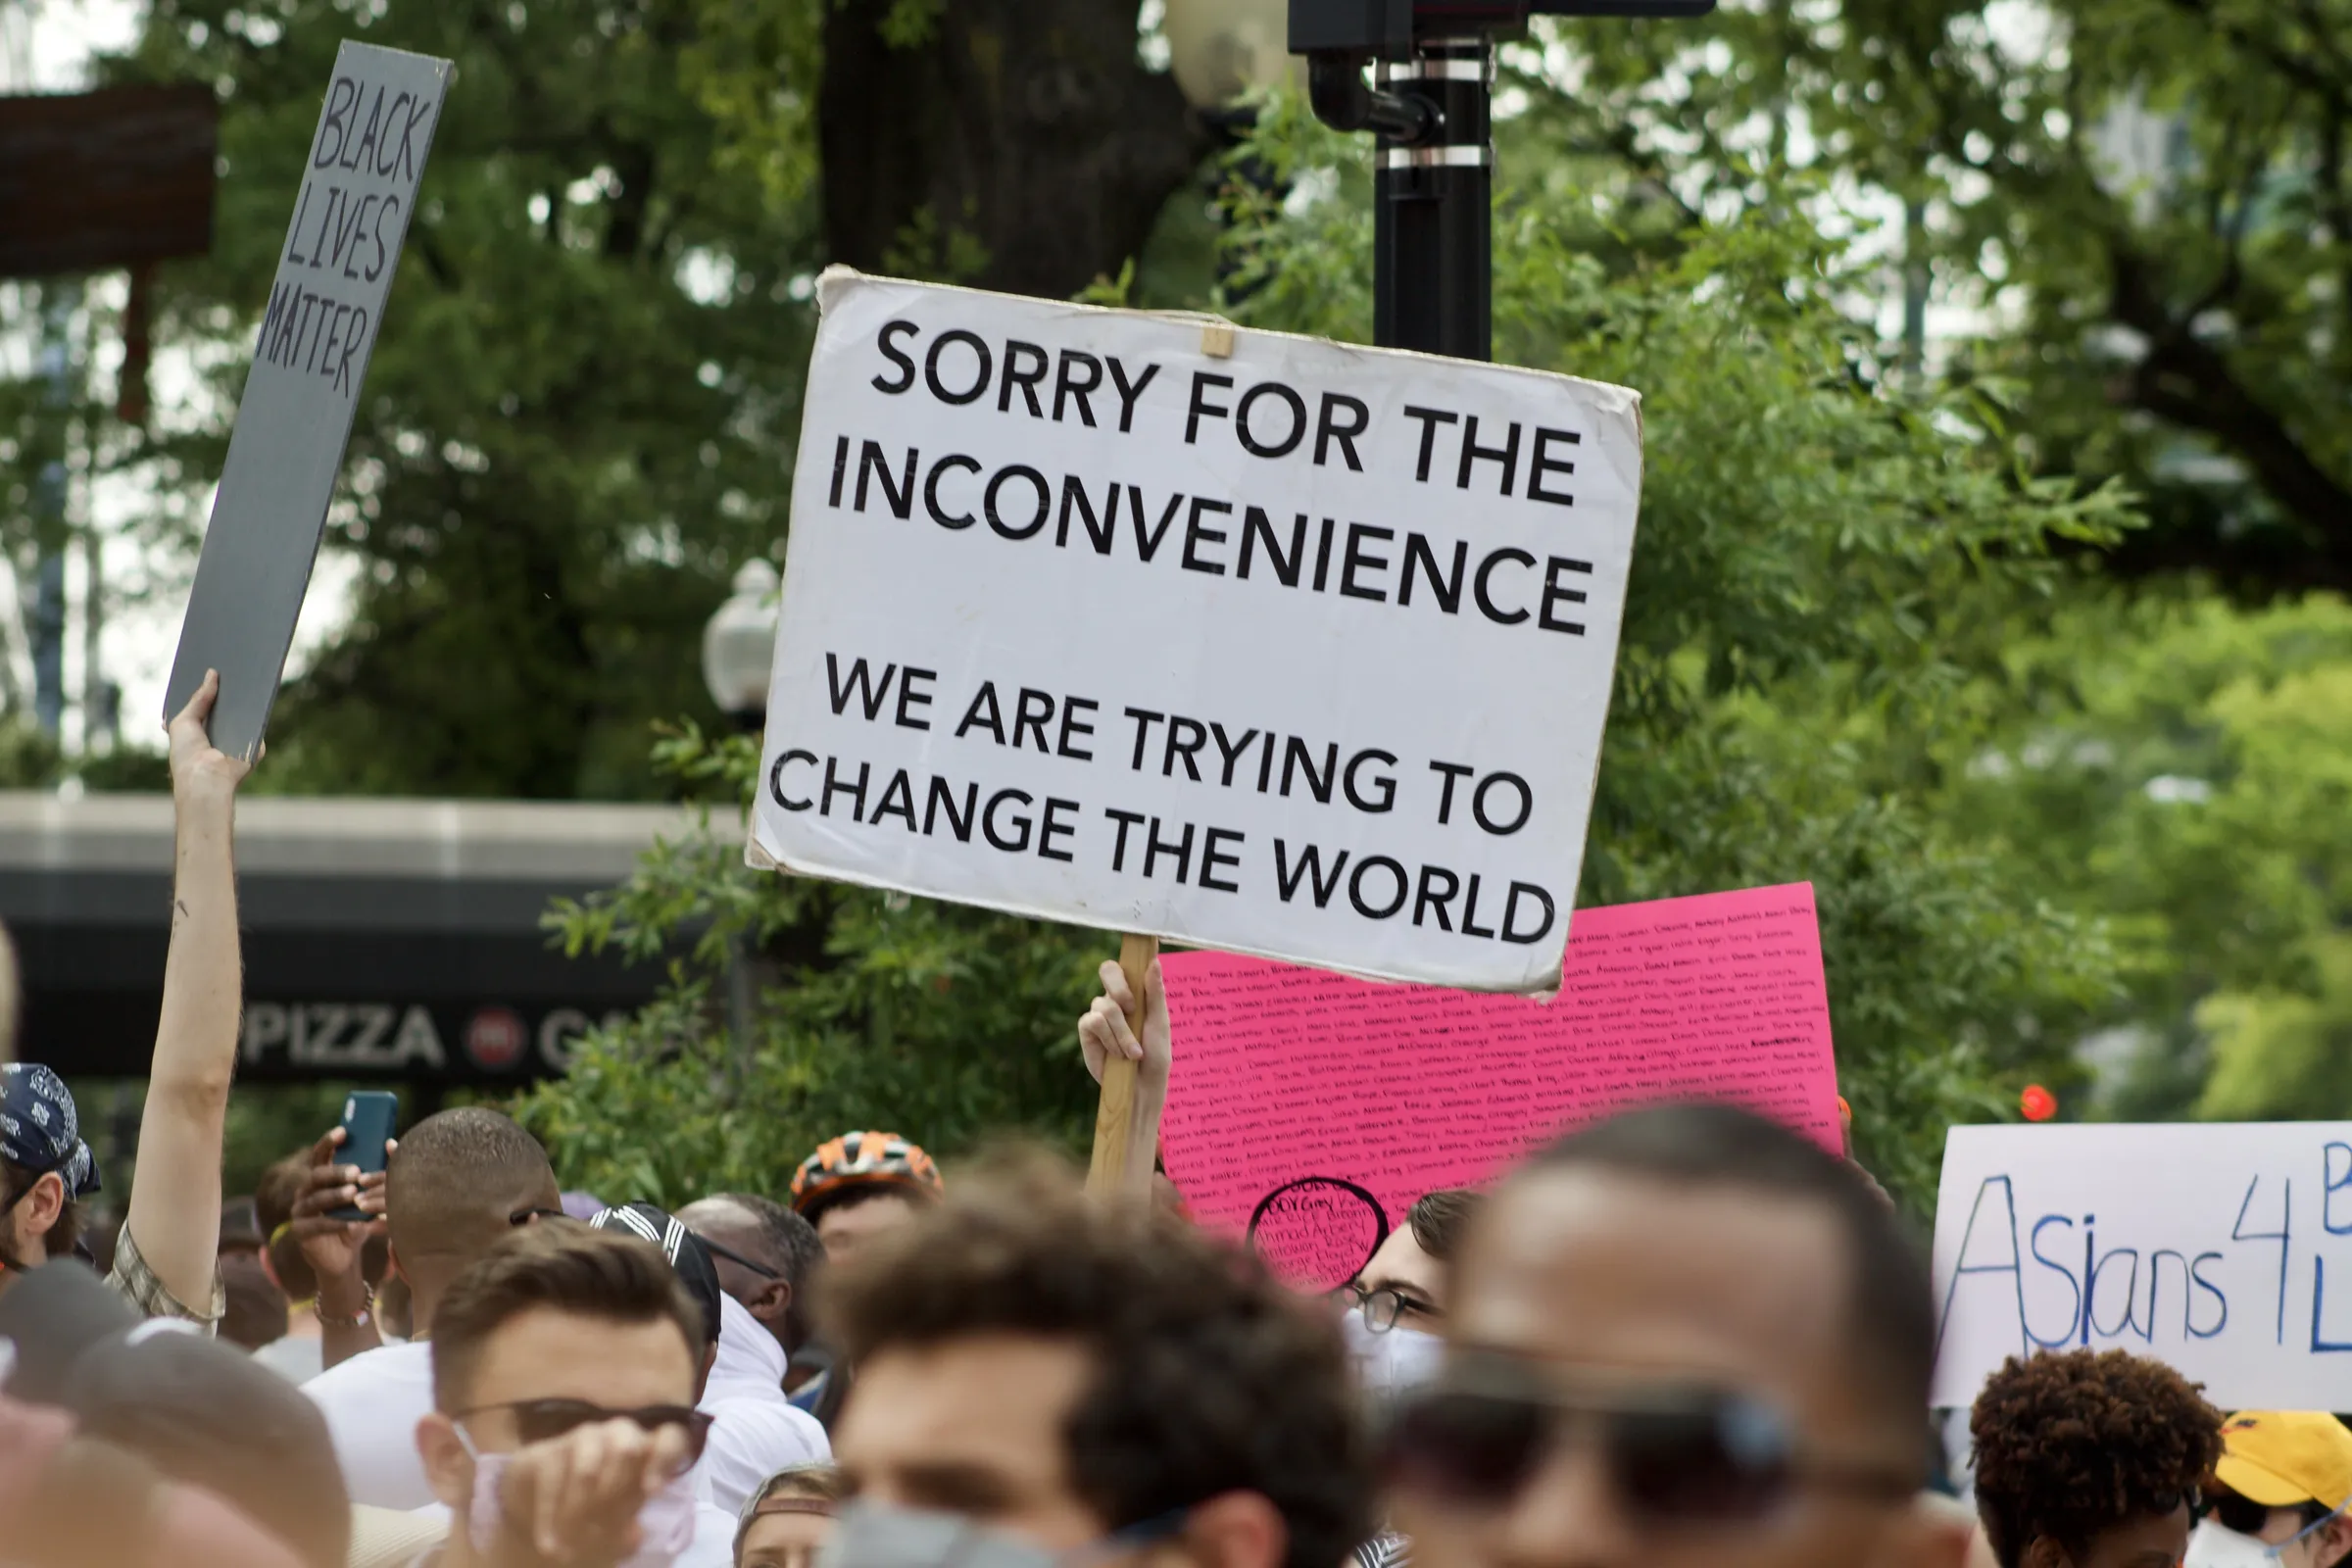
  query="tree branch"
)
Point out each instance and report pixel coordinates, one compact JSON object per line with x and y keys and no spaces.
{"x":2189,"y":383}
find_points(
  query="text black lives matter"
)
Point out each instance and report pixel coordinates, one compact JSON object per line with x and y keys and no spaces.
{"x":967,"y":809}
{"x":345,"y":232}
{"x":1215,"y":536}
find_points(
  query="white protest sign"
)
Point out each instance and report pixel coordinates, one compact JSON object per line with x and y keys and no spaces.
{"x":359,"y":190}
{"x":2225,"y":1250}
{"x":1241,"y":639}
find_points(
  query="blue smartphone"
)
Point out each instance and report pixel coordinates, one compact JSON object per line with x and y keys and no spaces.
{"x":368,"y":1116}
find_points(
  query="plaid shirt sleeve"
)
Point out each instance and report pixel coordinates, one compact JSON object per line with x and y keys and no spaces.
{"x":138,"y":1284}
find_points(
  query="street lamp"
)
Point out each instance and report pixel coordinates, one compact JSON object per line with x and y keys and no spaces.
{"x":739,"y":650}
{"x":1221,"y":49}
{"x":739,"y":645}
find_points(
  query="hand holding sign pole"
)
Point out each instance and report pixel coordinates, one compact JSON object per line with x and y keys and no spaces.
{"x":1109,"y":1173}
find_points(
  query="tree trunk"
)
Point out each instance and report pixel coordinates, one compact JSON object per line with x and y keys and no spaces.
{"x":1018,"y":146}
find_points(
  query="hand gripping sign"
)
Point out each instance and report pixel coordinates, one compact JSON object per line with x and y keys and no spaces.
{"x":1254,"y":641}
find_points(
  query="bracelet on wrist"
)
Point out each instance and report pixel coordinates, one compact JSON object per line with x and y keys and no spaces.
{"x":357,"y":1320}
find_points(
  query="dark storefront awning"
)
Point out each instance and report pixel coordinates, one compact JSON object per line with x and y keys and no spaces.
{"x":393,"y":939}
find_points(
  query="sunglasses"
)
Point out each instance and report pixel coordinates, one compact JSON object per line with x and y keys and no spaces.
{"x":2248,"y":1517}
{"x":737,"y":1259}
{"x":544,"y":1420}
{"x":1678,"y":1457}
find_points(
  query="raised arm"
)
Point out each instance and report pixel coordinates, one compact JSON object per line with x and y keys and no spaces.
{"x":1103,"y":1032}
{"x":175,"y":1222}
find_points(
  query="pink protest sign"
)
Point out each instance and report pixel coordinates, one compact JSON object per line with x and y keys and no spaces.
{"x":1313,"y":1109}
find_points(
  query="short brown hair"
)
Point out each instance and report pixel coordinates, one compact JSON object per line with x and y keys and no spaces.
{"x":561,"y":1265}
{"x":1209,"y":1377}
{"x":273,"y":1199}
{"x":1437,"y":1220}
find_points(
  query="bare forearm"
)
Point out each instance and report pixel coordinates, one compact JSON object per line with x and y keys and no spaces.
{"x":176,"y":1195}
{"x":346,"y":1320}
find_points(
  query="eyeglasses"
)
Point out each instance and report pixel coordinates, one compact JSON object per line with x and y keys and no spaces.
{"x":544,"y":1420}
{"x":1679,"y":1457}
{"x":738,"y":1259}
{"x":1384,"y":1305}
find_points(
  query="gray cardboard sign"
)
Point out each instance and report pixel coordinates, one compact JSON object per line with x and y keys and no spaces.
{"x":309,"y":365}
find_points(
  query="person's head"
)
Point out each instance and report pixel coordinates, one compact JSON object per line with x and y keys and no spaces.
{"x":555,"y":1327}
{"x":2277,"y":1496}
{"x":274,"y":1198}
{"x":1682,"y":1335}
{"x":860,"y":1185}
{"x":198,"y":1410}
{"x":458,"y":1183}
{"x":1059,"y":1371}
{"x":1409,"y":1268}
{"x":255,"y":1310}
{"x":767,"y":1256}
{"x":787,"y":1519}
{"x":2090,"y":1460}
{"x":689,"y":1257}
{"x":45,"y":1168}
{"x":1400,"y":1294}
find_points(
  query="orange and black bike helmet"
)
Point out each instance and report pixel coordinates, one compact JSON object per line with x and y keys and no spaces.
{"x":862,"y":1162}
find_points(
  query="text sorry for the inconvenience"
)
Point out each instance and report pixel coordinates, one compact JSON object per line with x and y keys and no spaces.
{"x":1241,"y":639}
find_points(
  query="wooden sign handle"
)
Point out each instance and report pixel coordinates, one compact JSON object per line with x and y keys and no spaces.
{"x":1114,"y":1118}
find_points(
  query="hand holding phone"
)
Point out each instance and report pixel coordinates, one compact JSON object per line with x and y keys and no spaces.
{"x":368,"y":1116}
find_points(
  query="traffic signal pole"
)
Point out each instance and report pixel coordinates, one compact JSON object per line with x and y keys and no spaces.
{"x":1433,"y":221}
{"x":1431,"y":107}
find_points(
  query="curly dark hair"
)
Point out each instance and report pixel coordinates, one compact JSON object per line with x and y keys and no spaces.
{"x":1209,"y":1377}
{"x":2072,"y":1444}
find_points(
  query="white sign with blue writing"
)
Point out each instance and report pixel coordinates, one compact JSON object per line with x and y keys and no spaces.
{"x":2222,"y":1250}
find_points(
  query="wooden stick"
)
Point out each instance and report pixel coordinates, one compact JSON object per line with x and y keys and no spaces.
{"x":1114,"y":1119}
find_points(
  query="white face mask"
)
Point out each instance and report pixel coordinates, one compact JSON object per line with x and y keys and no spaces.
{"x":666,"y":1522}
{"x":1390,"y":1361}
{"x":2213,"y":1545}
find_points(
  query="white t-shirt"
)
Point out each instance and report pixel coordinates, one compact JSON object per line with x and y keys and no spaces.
{"x":754,"y":1431}
{"x":296,"y":1359}
{"x":373,"y":1403}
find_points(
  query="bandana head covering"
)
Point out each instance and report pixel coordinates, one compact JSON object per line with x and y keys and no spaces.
{"x":38,"y":1129}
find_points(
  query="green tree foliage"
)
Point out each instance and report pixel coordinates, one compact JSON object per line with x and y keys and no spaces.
{"x":1821,"y":563}
{"x":940,"y":1022}
{"x":2187,"y":767}
{"x":580,"y":412}
{"x":2151,"y":196}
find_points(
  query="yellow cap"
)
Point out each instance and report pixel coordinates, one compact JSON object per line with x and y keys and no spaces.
{"x":2280,"y":1458}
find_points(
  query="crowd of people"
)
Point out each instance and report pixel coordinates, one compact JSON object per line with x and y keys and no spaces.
{"x":1682,"y":1335}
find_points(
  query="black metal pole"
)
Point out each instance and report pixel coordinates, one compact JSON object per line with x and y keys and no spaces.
{"x":1432,"y":239}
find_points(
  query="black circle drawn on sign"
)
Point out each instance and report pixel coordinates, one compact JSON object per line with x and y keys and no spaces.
{"x":1334,"y":1269}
